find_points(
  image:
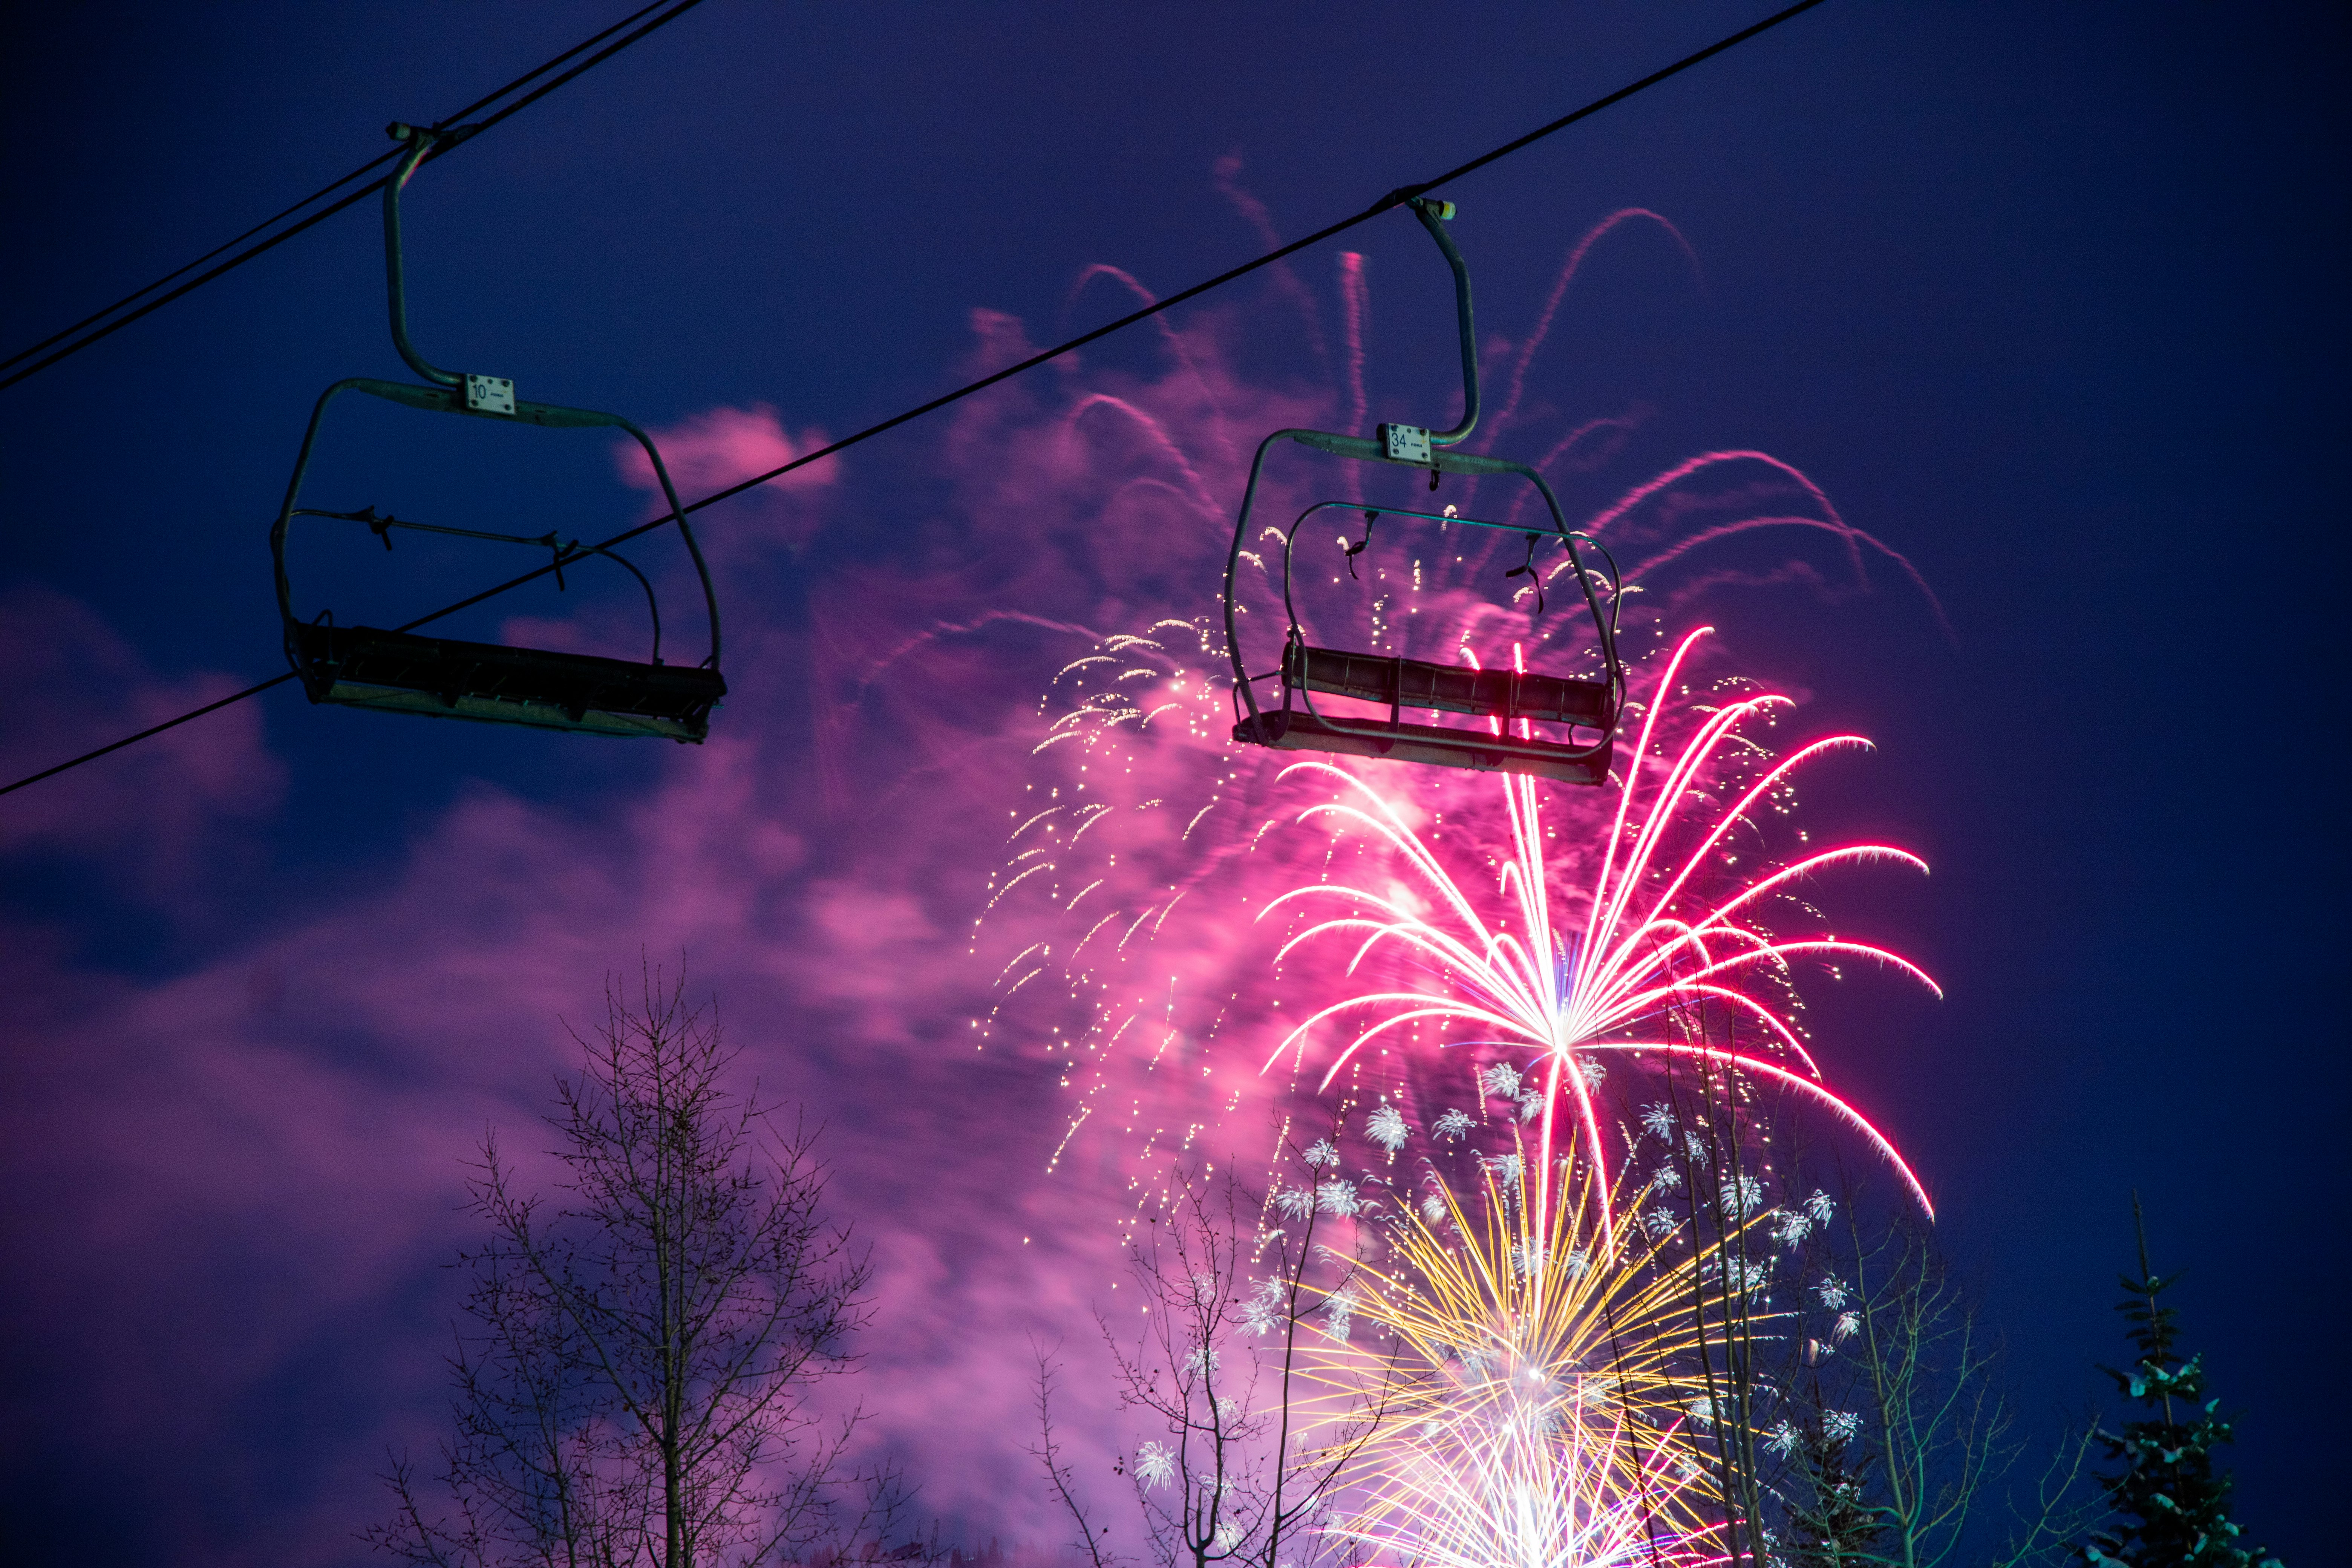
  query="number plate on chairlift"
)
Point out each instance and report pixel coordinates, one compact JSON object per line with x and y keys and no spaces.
{"x":490,"y":394}
{"x":1404,"y":443}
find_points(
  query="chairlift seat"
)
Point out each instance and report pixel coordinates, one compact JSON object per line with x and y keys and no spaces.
{"x":365,"y":667}
{"x":1296,"y":729}
{"x":1510,"y":701}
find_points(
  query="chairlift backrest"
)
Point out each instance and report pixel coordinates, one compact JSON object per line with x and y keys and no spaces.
{"x":400,"y":671}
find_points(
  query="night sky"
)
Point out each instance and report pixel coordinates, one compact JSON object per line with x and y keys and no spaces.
{"x":2038,"y":296}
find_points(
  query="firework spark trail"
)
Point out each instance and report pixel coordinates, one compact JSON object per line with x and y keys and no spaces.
{"x":1649,"y":951}
{"x":1829,"y":522}
{"x":1509,"y":414}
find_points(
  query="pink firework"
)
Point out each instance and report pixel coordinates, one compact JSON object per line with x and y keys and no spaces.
{"x":1648,"y":953}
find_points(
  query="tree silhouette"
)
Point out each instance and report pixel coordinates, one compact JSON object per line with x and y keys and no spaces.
{"x":633,"y":1385}
{"x":2173,"y":1504}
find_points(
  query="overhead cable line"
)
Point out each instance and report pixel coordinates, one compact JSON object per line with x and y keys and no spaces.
{"x":1394,"y":198}
{"x":128,"y":315}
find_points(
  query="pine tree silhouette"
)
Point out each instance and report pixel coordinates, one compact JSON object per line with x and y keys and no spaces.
{"x":1833,"y":1528}
{"x":2174,"y":1506}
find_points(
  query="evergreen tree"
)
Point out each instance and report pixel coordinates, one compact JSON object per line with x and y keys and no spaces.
{"x":2173,"y":1505}
{"x":1831,"y":1526}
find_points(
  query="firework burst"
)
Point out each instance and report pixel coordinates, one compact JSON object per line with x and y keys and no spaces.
{"x":1543,"y":1372}
{"x":1650,"y":954}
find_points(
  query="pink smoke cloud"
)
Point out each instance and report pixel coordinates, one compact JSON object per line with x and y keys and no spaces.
{"x":151,"y":814}
{"x":721,"y":446}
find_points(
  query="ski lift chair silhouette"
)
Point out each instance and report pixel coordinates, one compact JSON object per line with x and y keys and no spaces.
{"x":1513,"y":701}
{"x":396,"y":672}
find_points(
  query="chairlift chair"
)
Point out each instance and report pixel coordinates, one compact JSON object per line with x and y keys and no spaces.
{"x":402,"y":672}
{"x":1511,"y":700}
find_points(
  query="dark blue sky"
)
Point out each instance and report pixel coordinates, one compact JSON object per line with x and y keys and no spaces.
{"x":2040,"y":296}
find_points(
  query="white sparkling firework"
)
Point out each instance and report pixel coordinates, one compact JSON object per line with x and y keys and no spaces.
{"x":1337,"y":1197}
{"x":1386,"y":1126}
{"x":1790,"y":1227}
{"x":1741,"y":1276}
{"x":1741,"y":1195}
{"x":1339,"y":1312}
{"x":1155,"y":1465}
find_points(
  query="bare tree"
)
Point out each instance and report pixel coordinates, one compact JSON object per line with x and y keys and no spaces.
{"x":1222,"y":1367}
{"x":1706,"y":1117}
{"x":1844,"y":1382}
{"x":1893,"y":1421}
{"x":633,"y":1381}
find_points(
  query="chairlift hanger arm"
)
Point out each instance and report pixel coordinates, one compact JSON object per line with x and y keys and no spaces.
{"x":421,"y":144}
{"x":1433,"y":215}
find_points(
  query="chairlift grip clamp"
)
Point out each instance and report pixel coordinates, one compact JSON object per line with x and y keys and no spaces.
{"x":401,"y":131}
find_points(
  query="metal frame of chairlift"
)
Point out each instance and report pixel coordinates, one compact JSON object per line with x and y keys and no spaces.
{"x":365,"y":667}
{"x":1511,"y":698}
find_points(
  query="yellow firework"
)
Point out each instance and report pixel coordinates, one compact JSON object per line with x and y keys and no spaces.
{"x":1546,"y":1383}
